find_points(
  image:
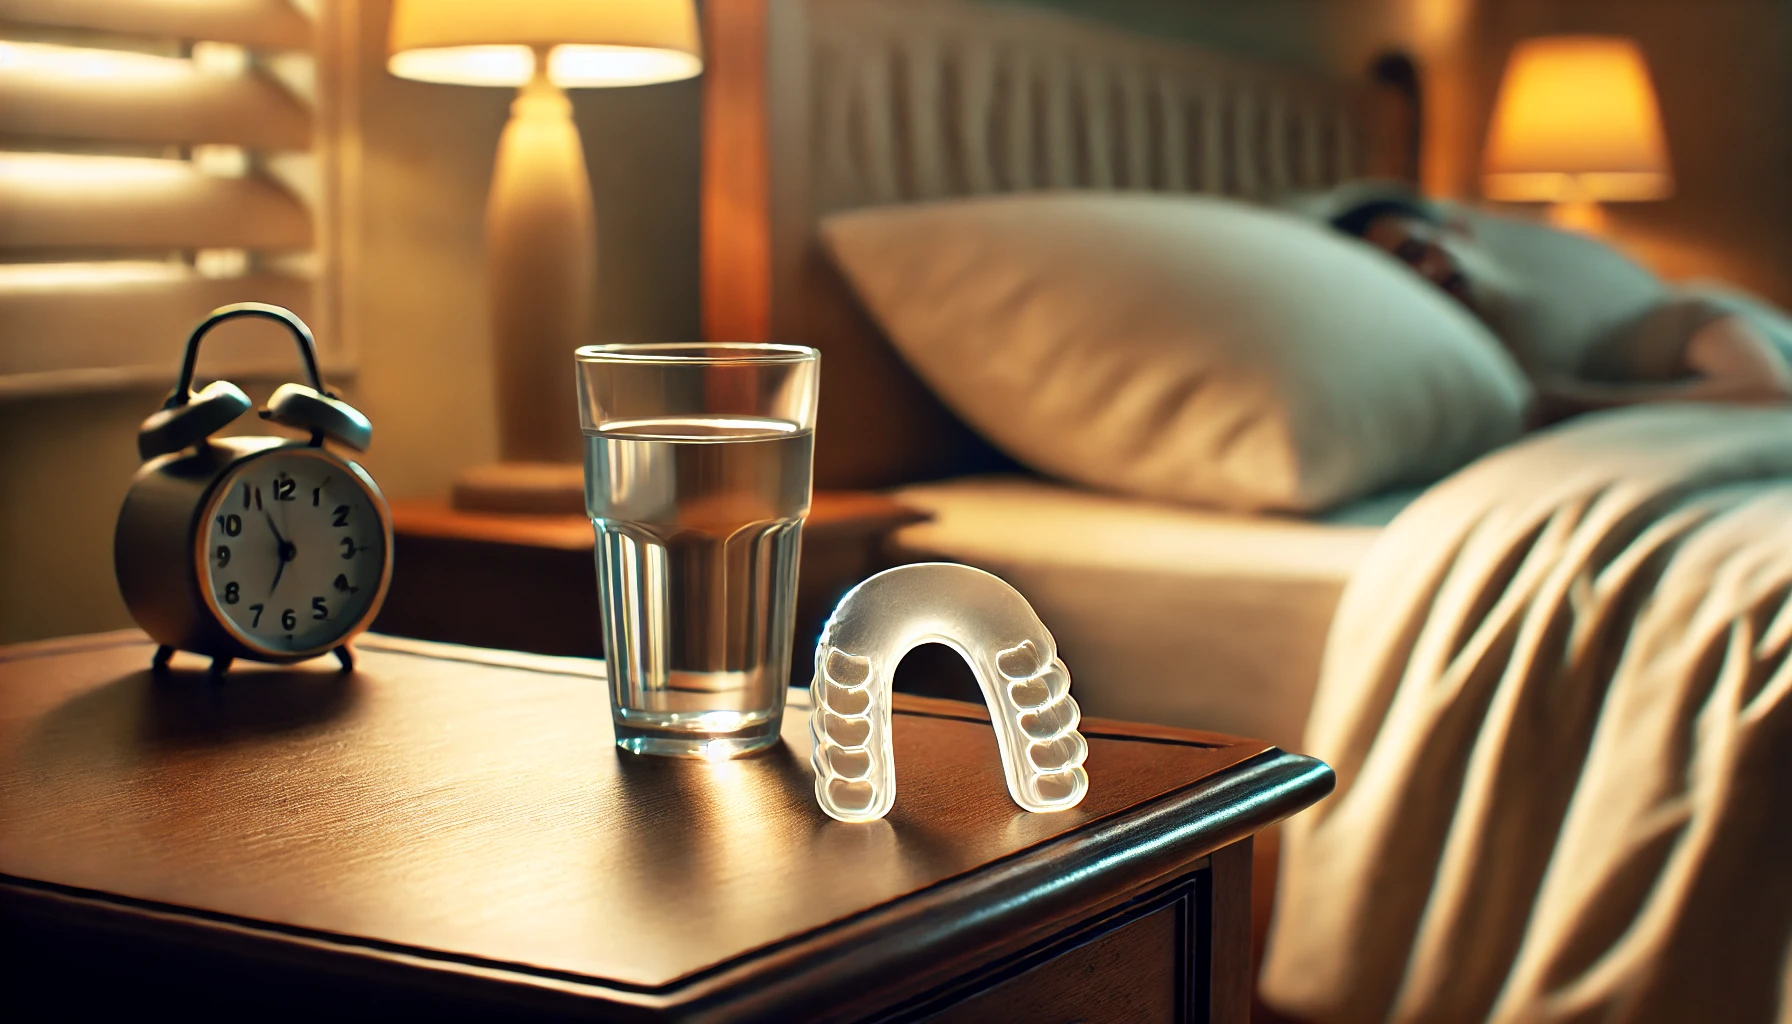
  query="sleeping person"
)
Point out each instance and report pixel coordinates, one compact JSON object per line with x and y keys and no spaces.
{"x":1675,"y":345}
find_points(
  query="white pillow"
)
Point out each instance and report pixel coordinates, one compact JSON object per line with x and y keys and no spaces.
{"x":1182,"y":348}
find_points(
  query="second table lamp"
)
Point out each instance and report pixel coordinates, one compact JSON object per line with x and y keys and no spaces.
{"x":541,"y":235}
{"x":1576,"y":124}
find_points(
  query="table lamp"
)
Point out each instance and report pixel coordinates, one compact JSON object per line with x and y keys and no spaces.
{"x":1576,"y":124}
{"x":541,"y":236}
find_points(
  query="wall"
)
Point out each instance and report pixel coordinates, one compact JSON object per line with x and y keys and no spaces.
{"x":64,"y":464}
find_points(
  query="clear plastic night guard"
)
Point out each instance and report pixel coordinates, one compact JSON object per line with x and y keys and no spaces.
{"x":1010,"y":652}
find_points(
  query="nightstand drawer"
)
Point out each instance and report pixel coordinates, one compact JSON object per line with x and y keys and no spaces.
{"x":1140,"y":972}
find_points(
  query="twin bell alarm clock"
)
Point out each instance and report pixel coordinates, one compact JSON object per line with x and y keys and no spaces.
{"x":274,"y":549}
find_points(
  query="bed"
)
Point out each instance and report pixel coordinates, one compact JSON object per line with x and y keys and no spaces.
{"x":1556,"y":685}
{"x":815,"y":106}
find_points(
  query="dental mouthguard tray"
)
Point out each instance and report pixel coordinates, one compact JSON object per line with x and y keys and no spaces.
{"x":1010,"y":652}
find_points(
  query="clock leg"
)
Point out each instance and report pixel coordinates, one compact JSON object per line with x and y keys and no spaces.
{"x":346,"y":657}
{"x":219,"y":667}
{"x":159,"y":663}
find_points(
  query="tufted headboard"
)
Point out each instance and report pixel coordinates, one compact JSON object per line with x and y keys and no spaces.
{"x":814,"y":106}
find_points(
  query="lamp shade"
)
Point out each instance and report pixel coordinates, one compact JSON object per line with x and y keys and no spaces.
{"x":1576,"y":119}
{"x":588,"y":42}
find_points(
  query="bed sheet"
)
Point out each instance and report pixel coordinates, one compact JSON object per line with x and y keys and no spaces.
{"x":1163,"y":613}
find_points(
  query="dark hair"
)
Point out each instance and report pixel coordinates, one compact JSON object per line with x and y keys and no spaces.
{"x":1355,"y":219}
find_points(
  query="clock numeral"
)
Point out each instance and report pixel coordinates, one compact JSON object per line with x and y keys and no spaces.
{"x":232,"y":593}
{"x":342,"y":583}
{"x":317,"y":493}
{"x":251,"y":493}
{"x":223,"y":555}
{"x":232,"y":524}
{"x":348,"y":547}
{"x":318,"y":609}
{"x":341,"y":516}
{"x":288,"y":619}
{"x":284,"y":487}
{"x":255,"y":622}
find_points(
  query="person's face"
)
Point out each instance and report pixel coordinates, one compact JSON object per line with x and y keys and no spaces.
{"x":1435,"y":251}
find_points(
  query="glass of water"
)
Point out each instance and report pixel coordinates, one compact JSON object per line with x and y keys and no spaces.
{"x":698,"y":461}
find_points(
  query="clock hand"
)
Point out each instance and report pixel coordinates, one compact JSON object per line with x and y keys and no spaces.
{"x":283,"y":510}
{"x":286,"y":552}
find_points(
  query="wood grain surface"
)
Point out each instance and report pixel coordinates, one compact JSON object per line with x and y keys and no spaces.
{"x":472,"y":804}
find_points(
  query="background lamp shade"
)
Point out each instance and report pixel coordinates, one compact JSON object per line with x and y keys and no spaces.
{"x":1576,"y":120}
{"x":588,"y":42}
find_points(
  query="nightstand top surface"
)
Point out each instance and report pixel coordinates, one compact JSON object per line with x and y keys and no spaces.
{"x":471,"y":804}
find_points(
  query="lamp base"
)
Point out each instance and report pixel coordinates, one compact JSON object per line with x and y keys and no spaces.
{"x":526,"y":488}
{"x":1583,"y":216}
{"x":541,"y":252}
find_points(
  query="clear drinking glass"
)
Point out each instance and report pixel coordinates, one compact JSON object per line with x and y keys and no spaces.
{"x":698,"y":461}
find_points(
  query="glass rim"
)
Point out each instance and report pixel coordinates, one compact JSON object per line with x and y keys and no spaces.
{"x":697,"y":353}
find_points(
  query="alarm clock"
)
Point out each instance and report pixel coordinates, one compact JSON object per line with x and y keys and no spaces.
{"x":268,"y":548}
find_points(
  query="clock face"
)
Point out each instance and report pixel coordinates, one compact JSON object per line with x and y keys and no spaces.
{"x":293,"y":550}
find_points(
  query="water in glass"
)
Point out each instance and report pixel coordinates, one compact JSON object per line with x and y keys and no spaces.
{"x":699,"y":521}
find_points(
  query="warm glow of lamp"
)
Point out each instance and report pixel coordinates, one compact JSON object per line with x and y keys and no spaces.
{"x":588,"y":42}
{"x":541,"y":235}
{"x":1576,"y":123}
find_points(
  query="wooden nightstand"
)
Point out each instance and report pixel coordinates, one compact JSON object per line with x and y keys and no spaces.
{"x":529,"y":582}
{"x":453,"y":833}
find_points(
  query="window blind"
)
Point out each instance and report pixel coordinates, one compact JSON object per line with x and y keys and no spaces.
{"x":158,"y":158}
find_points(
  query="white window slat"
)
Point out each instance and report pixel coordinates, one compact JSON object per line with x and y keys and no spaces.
{"x":177,"y":106}
{"x":144,"y":207}
{"x":262,"y":24}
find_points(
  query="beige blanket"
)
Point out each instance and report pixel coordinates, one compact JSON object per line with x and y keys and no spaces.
{"x":1556,"y":695}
